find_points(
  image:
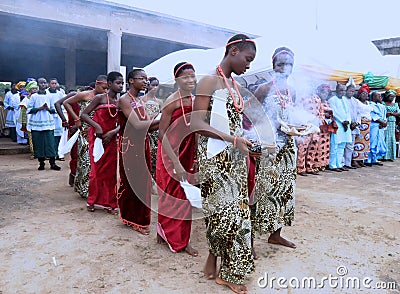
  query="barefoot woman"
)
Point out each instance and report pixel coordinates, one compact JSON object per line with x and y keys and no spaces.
{"x":276,"y":182}
{"x":222,"y":166}
{"x":134,"y":193}
{"x":176,"y":158}
{"x":83,"y":99}
{"x":103,"y":125}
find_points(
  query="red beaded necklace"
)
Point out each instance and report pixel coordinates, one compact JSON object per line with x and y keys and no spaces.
{"x":239,"y":108}
{"x":282,"y":101}
{"x":142,"y":116}
{"x":108,"y":103}
{"x":183,"y":111}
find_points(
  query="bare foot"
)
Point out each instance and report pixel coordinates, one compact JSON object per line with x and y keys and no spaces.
{"x":142,"y":231}
{"x":191,"y":251}
{"x":160,"y":240}
{"x":280,"y":241}
{"x":111,"y":211}
{"x":237,"y":288}
{"x":210,"y":268}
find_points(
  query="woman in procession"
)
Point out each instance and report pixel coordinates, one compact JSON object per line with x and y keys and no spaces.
{"x":276,"y":180}
{"x":83,"y":99}
{"x":103,"y":172}
{"x":134,"y":193}
{"x":222,"y":166}
{"x":177,"y":160}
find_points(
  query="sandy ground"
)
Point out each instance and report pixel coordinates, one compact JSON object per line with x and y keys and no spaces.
{"x":50,"y":244}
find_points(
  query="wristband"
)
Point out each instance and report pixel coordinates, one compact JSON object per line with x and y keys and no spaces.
{"x":78,"y":119}
{"x":234,"y":141}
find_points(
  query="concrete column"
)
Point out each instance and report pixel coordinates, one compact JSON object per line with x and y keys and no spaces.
{"x":114,"y":50}
{"x":70,"y":64}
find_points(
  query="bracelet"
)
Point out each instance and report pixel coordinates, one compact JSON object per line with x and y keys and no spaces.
{"x":234,"y":141}
{"x":78,"y":119}
{"x":195,"y":160}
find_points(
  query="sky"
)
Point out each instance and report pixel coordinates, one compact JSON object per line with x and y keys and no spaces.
{"x":337,"y":33}
{"x":290,"y":17}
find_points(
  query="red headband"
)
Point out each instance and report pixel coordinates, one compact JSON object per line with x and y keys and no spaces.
{"x":101,"y":82}
{"x":179,"y":68}
{"x":239,"y":41}
{"x":283,"y":51}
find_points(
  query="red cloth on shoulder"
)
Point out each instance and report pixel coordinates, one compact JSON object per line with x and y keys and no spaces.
{"x":134,"y":193}
{"x":174,"y":210}
{"x":103,"y":173}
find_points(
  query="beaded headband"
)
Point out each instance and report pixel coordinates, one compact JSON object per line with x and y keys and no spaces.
{"x":179,"y":68}
{"x":283,"y":51}
{"x":239,"y":41}
{"x":101,"y":82}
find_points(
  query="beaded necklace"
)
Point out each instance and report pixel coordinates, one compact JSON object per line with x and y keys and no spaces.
{"x":183,"y":111}
{"x":239,"y":108}
{"x":108,"y":103}
{"x":282,"y":101}
{"x":142,"y":116}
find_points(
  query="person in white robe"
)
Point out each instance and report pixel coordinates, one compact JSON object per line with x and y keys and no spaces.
{"x":11,"y":104}
{"x":342,"y":117}
{"x":42,"y":126}
{"x":378,"y":146}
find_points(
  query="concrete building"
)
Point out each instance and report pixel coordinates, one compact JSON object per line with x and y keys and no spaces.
{"x":388,"y":46}
{"x":75,"y":40}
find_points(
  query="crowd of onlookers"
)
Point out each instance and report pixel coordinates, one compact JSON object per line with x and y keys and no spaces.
{"x":358,"y":128}
{"x":24,"y":122}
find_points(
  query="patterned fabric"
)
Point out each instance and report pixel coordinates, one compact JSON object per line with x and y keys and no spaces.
{"x":302,"y":151}
{"x":307,"y":146}
{"x":321,"y":159}
{"x":390,"y":137}
{"x":225,"y":202}
{"x":2,"y":118}
{"x":361,"y":144}
{"x":83,"y":166}
{"x":30,"y":143}
{"x":313,"y":105}
{"x":275,"y":191}
{"x":276,"y":178}
{"x":153,"y":109}
{"x":312,"y":153}
{"x":153,"y":136}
